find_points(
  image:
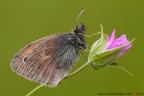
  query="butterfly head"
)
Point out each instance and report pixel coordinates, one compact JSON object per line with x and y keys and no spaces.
{"x":80,"y":29}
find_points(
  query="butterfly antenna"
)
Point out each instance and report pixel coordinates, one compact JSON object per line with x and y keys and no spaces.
{"x":81,"y":11}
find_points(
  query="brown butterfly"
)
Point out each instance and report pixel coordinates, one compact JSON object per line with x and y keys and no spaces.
{"x":50,"y":59}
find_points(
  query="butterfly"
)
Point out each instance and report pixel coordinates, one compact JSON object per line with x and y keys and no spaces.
{"x":50,"y":59}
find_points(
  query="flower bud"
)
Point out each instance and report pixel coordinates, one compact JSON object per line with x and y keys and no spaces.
{"x":105,"y":50}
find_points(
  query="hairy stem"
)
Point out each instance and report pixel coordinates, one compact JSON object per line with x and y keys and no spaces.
{"x":78,"y":70}
{"x":34,"y":90}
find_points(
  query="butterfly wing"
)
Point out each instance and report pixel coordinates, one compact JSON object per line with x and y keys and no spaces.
{"x":47,"y":60}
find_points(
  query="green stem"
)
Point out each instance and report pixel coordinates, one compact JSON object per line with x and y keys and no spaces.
{"x":70,"y":75}
{"x":78,"y":70}
{"x":34,"y":90}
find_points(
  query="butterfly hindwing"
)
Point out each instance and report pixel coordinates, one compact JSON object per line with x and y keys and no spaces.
{"x":47,"y":60}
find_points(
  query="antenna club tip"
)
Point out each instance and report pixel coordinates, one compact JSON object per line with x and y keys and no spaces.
{"x":82,"y":9}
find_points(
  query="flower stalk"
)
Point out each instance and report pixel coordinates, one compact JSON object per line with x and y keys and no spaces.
{"x":34,"y":90}
{"x":78,"y":70}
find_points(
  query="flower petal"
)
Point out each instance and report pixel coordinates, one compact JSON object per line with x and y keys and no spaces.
{"x":119,"y":42}
{"x":125,"y":49}
{"x":111,"y":38}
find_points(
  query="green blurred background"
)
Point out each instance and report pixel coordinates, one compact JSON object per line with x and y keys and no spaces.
{"x":23,"y":21}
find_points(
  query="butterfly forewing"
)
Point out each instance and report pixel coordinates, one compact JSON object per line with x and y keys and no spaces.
{"x":47,"y":60}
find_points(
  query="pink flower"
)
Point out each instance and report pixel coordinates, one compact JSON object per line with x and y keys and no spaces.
{"x":106,"y":49}
{"x":118,"y":42}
